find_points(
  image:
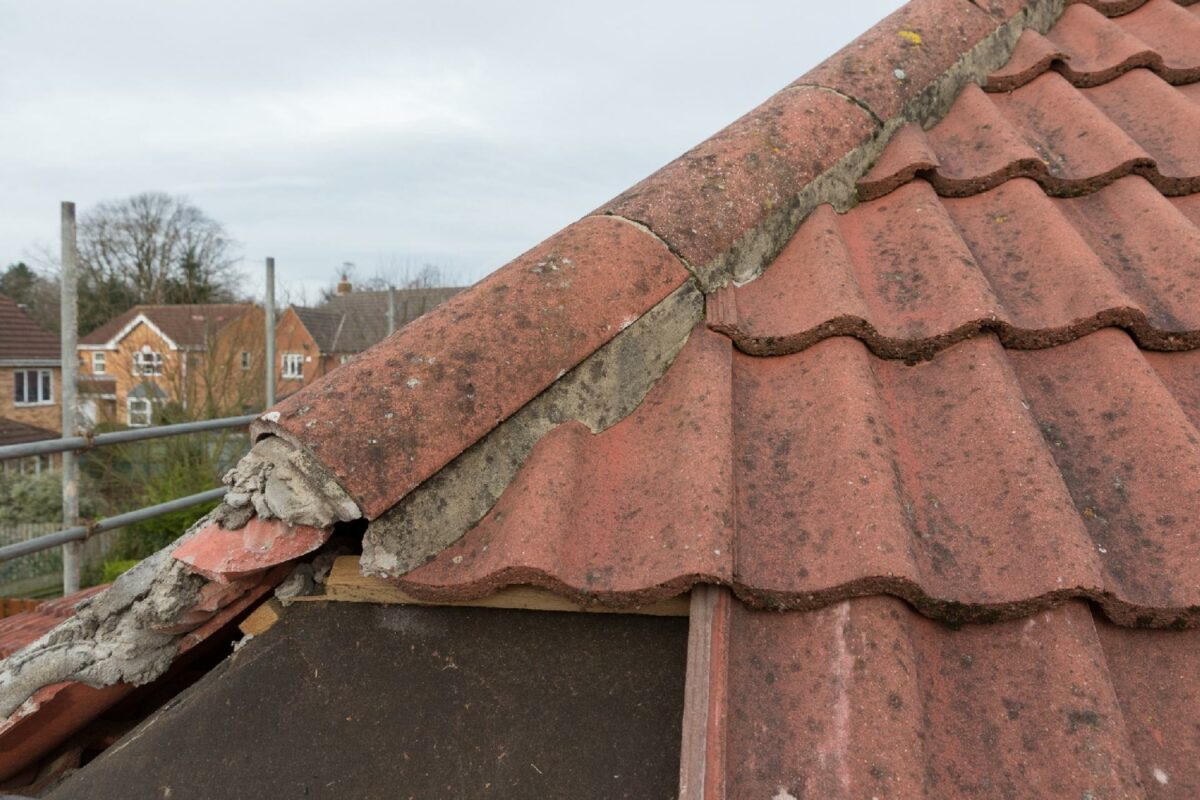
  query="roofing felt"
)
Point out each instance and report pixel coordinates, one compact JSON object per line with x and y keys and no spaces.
{"x":461,"y":718}
{"x":185,"y":325}
{"x":21,"y":337}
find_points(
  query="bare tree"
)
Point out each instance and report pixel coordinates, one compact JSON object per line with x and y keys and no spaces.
{"x":151,"y":248}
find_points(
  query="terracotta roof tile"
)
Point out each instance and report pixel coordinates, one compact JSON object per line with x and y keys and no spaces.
{"x":909,"y":49}
{"x":912,"y":273}
{"x":867,"y":698}
{"x":1070,"y":140}
{"x":708,"y":198}
{"x":388,"y":420}
{"x":856,"y":475}
{"x":19,"y":630}
{"x":1089,"y":49}
{"x":853,"y":474}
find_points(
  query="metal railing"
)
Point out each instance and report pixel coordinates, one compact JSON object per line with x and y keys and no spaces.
{"x":78,"y":444}
{"x":74,"y":530}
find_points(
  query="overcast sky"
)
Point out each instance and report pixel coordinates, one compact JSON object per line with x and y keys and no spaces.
{"x":383,"y":134}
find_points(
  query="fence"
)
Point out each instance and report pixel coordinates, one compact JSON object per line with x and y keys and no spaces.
{"x":40,"y":573}
{"x":79,"y":533}
{"x":72,"y":535}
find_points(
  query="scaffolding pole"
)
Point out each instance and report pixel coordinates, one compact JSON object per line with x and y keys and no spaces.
{"x":72,"y":553}
{"x":270,"y":304}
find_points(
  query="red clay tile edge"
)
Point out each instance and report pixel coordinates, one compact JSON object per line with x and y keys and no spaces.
{"x":55,"y":712}
{"x":398,"y":413}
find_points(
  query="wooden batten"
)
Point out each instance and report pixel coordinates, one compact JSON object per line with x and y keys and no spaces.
{"x":347,"y":584}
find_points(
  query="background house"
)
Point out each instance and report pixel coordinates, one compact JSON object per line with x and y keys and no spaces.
{"x":208,"y":359}
{"x":30,"y":377}
{"x":312,"y":341}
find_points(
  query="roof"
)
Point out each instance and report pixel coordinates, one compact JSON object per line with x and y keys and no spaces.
{"x":898,"y":374}
{"x":353,"y":322}
{"x":23,"y":339}
{"x":18,"y":630}
{"x":14,"y":432}
{"x":187,"y":326}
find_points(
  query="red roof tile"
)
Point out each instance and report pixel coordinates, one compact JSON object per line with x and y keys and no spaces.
{"x":1037,"y":270}
{"x":708,"y":199}
{"x":911,"y":48}
{"x":22,"y":339}
{"x":186,"y":325}
{"x":1039,"y":455}
{"x":21,"y":629}
{"x":394,"y":416}
{"x":856,"y":475}
{"x":1089,"y":49}
{"x":1071,"y":141}
{"x":868,"y":699}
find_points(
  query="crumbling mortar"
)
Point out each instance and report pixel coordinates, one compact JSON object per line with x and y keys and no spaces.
{"x":599,"y":392}
{"x":279,"y":479}
{"x":113,"y":637}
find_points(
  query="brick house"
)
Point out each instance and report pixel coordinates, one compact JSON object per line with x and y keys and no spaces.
{"x":30,"y":378}
{"x":200,"y":356}
{"x":312,"y":341}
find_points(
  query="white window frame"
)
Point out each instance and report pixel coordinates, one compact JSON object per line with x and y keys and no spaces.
{"x":146,"y":407}
{"x":245,"y":360}
{"x":147,"y":362}
{"x":292,"y":365}
{"x":99,"y":366}
{"x":43,"y":380}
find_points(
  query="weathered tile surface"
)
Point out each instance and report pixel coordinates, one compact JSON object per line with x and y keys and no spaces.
{"x":403,"y":409}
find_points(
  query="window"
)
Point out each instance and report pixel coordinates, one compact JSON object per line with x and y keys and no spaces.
{"x":140,"y":412}
{"x":293,"y":365}
{"x":98,"y":363}
{"x":147,"y":362}
{"x":245,"y":359}
{"x":33,"y":387}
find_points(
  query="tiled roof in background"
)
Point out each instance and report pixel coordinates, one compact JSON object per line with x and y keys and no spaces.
{"x":186,"y":325}
{"x":14,"y":432}
{"x":21,"y":337}
{"x":353,"y":322}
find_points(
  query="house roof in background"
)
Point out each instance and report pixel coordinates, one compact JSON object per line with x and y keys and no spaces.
{"x":353,"y":322}
{"x":188,"y":326}
{"x":21,"y":337}
{"x":14,"y":432}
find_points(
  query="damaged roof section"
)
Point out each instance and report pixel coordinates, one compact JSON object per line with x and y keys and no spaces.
{"x":297,"y":712}
{"x":567,"y":421}
{"x":394,"y":416}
